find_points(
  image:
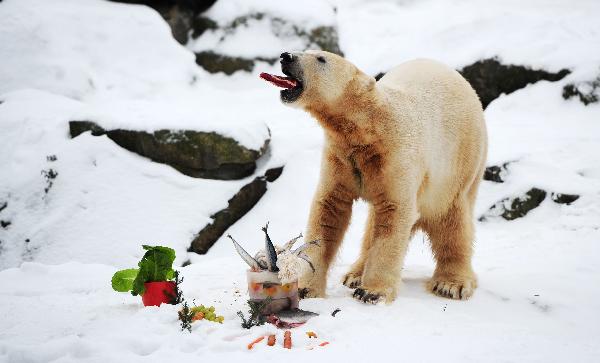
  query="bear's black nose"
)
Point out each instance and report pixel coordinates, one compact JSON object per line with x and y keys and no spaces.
{"x":286,"y":57}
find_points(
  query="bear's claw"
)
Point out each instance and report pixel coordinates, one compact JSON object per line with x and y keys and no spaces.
{"x":352,"y":280}
{"x":459,"y":290}
{"x":306,"y":293}
{"x":365,"y":296}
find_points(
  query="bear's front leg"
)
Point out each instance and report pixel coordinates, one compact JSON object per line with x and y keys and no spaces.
{"x":393,"y":222}
{"x":329,"y":218}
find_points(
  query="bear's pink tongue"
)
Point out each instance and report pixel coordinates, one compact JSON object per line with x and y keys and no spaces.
{"x":283,"y":82}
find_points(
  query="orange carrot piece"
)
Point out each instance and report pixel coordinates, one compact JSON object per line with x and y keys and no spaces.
{"x":323,"y":344}
{"x":311,"y":334}
{"x":198,"y":316}
{"x":255,"y":341}
{"x":271,"y":340}
{"x":287,"y":339}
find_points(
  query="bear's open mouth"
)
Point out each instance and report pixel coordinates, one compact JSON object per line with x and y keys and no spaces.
{"x":292,"y":87}
{"x":283,"y":82}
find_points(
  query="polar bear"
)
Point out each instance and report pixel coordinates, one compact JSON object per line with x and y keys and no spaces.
{"x":413,"y":145}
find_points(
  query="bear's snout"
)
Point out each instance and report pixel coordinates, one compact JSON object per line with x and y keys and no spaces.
{"x":286,"y":57}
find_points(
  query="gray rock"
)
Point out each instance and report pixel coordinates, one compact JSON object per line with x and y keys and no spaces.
{"x":202,"y":24}
{"x":513,"y":208}
{"x":321,"y":37}
{"x":490,"y":78}
{"x":586,"y":92}
{"x":240,"y":204}
{"x":215,"y":63}
{"x":4,"y":223}
{"x":496,"y":173}
{"x":179,"y":14}
{"x":180,"y":20}
{"x":194,"y":153}
{"x":561,"y":198}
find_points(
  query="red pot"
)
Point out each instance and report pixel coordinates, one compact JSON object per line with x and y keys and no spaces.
{"x":158,"y":293}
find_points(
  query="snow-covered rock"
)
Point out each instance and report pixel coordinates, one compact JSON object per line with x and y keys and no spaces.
{"x":225,"y":37}
{"x":195,"y":153}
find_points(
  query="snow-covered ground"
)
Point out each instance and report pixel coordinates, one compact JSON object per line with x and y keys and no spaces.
{"x":117,"y":64}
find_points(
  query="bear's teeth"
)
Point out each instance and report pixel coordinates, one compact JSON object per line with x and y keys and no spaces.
{"x":291,"y":83}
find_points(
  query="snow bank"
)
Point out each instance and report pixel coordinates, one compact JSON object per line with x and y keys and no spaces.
{"x":118,"y":59}
{"x":543,"y":34}
{"x":263,"y":29}
{"x":80,"y":47}
{"x":309,"y":13}
{"x":105,"y":201}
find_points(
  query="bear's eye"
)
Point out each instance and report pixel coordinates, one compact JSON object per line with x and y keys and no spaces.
{"x":321,"y":59}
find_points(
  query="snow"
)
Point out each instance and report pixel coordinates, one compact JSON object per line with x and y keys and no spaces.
{"x":118,"y":59}
{"x":103,"y":197}
{"x":544,"y":34}
{"x":274,"y":23}
{"x":240,"y":41}
{"x":538,"y":295}
{"x":312,"y":13}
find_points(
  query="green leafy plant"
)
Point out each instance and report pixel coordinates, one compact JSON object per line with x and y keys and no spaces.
{"x":156,"y":265}
{"x":122,"y":281}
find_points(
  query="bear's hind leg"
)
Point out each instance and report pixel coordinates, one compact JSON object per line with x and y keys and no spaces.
{"x":452,"y":244}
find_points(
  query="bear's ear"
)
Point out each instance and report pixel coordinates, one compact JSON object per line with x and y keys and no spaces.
{"x":367,"y":83}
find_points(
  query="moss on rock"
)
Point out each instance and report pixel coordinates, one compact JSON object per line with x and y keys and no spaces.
{"x":194,"y":153}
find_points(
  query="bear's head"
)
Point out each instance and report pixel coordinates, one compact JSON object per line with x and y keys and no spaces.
{"x":314,"y":79}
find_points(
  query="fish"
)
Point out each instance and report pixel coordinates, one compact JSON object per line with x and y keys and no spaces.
{"x":288,"y":246}
{"x":300,"y":249}
{"x":245,"y":255}
{"x":287,"y":319}
{"x":270,"y":251}
{"x":296,"y":315}
{"x":267,"y":258}
{"x":307,"y":260}
{"x":299,"y":252}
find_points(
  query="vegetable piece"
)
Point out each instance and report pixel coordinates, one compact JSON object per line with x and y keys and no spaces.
{"x":122,"y":281}
{"x":207,"y":314}
{"x":156,"y":265}
{"x":198,"y":316}
{"x":287,"y":339}
{"x":271,"y":340}
{"x":255,"y":341}
{"x":311,"y":334}
{"x":323,"y":344}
